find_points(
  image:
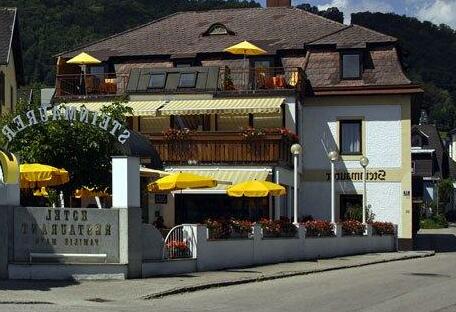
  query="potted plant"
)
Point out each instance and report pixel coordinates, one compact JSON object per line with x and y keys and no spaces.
{"x":178,"y":249}
{"x":218,"y":229}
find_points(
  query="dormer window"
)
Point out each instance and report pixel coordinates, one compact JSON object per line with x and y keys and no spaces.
{"x":218,"y":29}
{"x":351,"y":65}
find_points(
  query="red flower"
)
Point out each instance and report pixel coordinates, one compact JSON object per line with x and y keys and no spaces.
{"x":383,"y":228}
{"x":316,"y":228}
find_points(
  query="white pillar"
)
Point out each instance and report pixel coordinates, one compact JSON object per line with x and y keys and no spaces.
{"x":277,"y":199}
{"x":125,"y":182}
{"x":333,"y":193}
{"x":296,"y":187}
{"x":364,"y":195}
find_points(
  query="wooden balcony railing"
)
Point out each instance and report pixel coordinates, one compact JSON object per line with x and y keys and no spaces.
{"x":90,"y":85}
{"x":260,"y":79}
{"x":223,"y":147}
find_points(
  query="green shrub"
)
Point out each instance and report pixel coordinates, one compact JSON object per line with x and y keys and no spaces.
{"x":434,"y":222}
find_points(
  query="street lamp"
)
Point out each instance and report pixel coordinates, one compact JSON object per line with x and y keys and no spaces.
{"x":333,"y":157}
{"x":364,"y":162}
{"x":296,"y":150}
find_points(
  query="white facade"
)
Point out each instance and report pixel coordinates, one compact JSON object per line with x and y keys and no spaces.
{"x":383,"y":130}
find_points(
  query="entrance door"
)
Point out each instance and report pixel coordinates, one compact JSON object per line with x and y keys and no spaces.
{"x":350,"y":205}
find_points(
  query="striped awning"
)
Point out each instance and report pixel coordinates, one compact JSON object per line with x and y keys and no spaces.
{"x":223,"y":106}
{"x":140,"y":108}
{"x":225,"y":177}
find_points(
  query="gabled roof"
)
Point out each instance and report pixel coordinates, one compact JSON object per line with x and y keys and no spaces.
{"x":9,"y":40}
{"x":7,"y":22}
{"x":271,"y":29}
{"x":434,"y":142}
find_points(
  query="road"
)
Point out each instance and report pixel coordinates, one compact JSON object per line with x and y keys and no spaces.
{"x":413,"y":285}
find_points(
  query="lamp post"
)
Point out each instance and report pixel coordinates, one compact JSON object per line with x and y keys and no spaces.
{"x":333,"y":157}
{"x":364,"y":162}
{"x":296,"y":150}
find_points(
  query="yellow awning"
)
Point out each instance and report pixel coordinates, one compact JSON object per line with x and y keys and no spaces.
{"x":225,"y":177}
{"x":223,"y":106}
{"x":140,"y":108}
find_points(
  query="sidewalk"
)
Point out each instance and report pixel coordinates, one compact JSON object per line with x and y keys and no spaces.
{"x":95,"y":292}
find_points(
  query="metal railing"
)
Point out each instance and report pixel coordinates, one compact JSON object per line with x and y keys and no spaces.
{"x":90,"y":85}
{"x":259,"y":79}
{"x":180,"y":243}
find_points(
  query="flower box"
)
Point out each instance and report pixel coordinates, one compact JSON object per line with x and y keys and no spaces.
{"x":319,"y":228}
{"x":352,"y":227}
{"x":382,"y":228}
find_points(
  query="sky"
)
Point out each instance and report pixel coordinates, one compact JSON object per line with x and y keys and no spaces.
{"x":436,"y":11}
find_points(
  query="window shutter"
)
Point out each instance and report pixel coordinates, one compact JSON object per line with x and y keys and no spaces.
{"x":212,"y":78}
{"x":133,"y":80}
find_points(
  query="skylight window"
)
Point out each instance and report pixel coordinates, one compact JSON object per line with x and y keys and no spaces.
{"x":218,"y":29}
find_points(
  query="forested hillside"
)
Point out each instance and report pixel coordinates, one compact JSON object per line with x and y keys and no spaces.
{"x":52,"y":26}
{"x":429,"y":54}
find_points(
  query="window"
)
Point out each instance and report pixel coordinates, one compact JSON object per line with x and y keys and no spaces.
{"x":187,"y":80}
{"x":350,"y":137}
{"x":350,"y":205}
{"x":351,"y":66}
{"x":157,"y":81}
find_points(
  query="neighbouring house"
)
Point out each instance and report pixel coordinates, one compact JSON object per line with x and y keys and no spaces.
{"x":337,"y":87}
{"x":11,"y":66}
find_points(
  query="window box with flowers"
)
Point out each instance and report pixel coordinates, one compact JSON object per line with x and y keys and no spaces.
{"x":352,"y":227}
{"x":286,"y":134}
{"x":177,"y":135}
{"x":178,"y":249}
{"x":319,"y":228}
{"x":218,"y":229}
{"x":252,"y":134}
{"x":382,"y":228}
{"x":241,"y":228}
{"x":282,"y":228}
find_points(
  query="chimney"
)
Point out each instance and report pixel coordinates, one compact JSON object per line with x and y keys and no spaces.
{"x":278,"y":3}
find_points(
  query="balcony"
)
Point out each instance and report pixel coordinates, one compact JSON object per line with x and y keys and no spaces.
{"x":90,"y":86}
{"x":277,"y":80}
{"x":221,"y":81}
{"x":223,"y":147}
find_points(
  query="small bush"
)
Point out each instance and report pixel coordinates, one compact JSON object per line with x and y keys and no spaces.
{"x":278,"y":228}
{"x":382,"y":228}
{"x":434,"y":222}
{"x":352,"y":227}
{"x":319,"y":228}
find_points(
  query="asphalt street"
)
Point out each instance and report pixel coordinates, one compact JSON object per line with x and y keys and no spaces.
{"x":426,"y":284}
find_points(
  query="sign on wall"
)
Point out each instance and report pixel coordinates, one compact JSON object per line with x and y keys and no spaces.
{"x":379,"y":175}
{"x":67,"y":113}
{"x":66,"y":230}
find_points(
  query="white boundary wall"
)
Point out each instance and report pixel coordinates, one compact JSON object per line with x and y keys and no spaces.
{"x":235,"y":253}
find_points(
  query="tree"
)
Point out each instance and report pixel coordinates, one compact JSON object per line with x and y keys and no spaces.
{"x":330,"y":13}
{"x":82,"y":149}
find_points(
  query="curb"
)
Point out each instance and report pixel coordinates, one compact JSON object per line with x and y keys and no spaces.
{"x":194,"y":288}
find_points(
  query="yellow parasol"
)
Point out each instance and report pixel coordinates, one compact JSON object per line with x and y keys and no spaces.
{"x":84,"y":59}
{"x":86,"y":192}
{"x":181,"y":180}
{"x":256,"y":188}
{"x":37,"y":175}
{"x":245,"y":48}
